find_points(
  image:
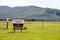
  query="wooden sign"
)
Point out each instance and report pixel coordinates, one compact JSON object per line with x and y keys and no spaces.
{"x":18,"y":24}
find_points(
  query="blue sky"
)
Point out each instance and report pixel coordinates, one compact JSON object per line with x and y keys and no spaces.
{"x":41,"y":3}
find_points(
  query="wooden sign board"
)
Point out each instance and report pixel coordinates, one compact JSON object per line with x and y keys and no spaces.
{"x":18,"y":24}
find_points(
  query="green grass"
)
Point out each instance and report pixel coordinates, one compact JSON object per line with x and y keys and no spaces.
{"x":50,"y":31}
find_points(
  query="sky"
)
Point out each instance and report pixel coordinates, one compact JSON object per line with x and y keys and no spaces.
{"x":40,"y":3}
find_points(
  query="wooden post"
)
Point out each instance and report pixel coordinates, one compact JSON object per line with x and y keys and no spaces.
{"x":7,"y":24}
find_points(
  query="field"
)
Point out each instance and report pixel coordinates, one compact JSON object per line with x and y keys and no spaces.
{"x":35,"y":31}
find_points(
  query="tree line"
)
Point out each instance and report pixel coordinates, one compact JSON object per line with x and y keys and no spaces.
{"x":30,"y":20}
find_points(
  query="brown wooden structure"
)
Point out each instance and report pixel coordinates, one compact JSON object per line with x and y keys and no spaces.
{"x":7,"y":23}
{"x":18,"y":25}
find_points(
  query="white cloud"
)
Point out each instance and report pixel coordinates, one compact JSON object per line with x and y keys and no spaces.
{"x":49,"y":3}
{"x":41,"y":3}
{"x":13,"y":2}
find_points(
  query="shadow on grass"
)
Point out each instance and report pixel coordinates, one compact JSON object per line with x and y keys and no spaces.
{"x":18,"y":32}
{"x":3,"y":29}
{"x":10,"y":32}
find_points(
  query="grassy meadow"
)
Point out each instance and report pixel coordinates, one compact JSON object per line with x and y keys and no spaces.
{"x":35,"y":31}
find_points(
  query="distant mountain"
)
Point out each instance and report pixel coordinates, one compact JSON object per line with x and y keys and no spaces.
{"x":30,"y":12}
